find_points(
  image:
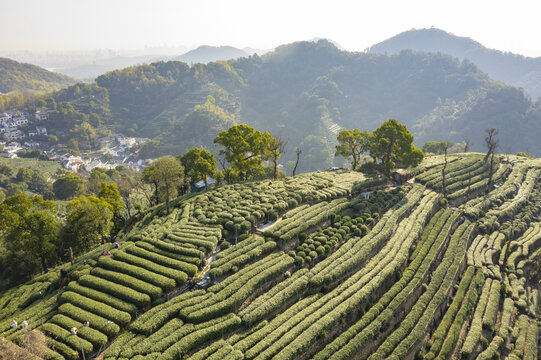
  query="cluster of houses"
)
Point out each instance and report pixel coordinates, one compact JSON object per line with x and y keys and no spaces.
{"x":17,"y":128}
{"x":11,"y":123}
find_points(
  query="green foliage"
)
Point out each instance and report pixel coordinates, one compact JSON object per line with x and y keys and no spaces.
{"x":110,"y":194}
{"x":82,"y":314}
{"x":199,"y":164}
{"x":65,"y":336}
{"x":103,"y":297}
{"x":179,"y":276}
{"x":88,"y":223}
{"x":96,"y":338}
{"x":29,"y":231}
{"x":150,"y":277}
{"x":23,"y":78}
{"x":166,"y":174}
{"x":436,"y":147}
{"x":95,"y":307}
{"x":391,"y":145}
{"x":244,"y":148}
{"x":351,"y":144}
{"x":68,"y":186}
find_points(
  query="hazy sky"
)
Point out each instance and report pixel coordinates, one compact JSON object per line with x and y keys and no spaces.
{"x":131,"y":24}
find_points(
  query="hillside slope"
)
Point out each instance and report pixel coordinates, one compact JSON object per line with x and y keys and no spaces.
{"x":16,"y":76}
{"x":336,"y":276}
{"x":306,"y":91}
{"x":516,"y":70}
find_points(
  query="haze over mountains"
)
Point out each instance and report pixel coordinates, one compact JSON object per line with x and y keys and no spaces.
{"x":513,"y":69}
{"x":87,"y":65}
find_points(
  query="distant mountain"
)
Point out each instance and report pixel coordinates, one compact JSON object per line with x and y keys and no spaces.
{"x":16,"y":76}
{"x":205,"y":54}
{"x":88,"y":64}
{"x":513,"y":69}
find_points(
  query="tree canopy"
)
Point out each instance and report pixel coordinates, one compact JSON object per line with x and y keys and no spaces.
{"x":244,"y":148}
{"x":351,"y":144}
{"x":88,"y":223}
{"x":392,"y":144}
{"x":68,"y":186}
{"x":29,"y":230}
{"x":166,"y":174}
{"x":199,"y":164}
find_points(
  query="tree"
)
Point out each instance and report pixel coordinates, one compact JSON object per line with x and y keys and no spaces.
{"x":446,"y":146}
{"x":37,"y":183}
{"x":392,"y":144}
{"x":30,"y":232}
{"x":127,"y":182}
{"x":110,"y":193}
{"x":6,"y":170}
{"x":351,"y":144}
{"x":88,"y":223}
{"x":166,"y":174}
{"x":467,"y":144}
{"x":68,"y":186}
{"x":24,"y":175}
{"x":244,"y":148}
{"x":436,"y":147}
{"x":275,"y":148}
{"x":199,"y":164}
{"x":298,"y":152}
{"x":492,"y":143}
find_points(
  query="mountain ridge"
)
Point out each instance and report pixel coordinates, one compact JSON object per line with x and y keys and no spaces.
{"x":513,"y":69}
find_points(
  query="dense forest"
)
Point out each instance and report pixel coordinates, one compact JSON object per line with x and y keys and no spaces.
{"x":305,"y":92}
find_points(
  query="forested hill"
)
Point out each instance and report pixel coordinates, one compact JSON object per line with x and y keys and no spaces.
{"x":513,"y":69}
{"x":29,"y":78}
{"x":305,"y":92}
{"x":205,"y":54}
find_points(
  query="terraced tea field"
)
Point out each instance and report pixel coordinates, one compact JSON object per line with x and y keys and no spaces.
{"x":307,"y":268}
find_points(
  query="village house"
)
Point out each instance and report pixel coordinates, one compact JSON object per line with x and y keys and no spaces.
{"x":125,"y":141}
{"x":42,"y":115}
{"x":14,"y":135}
{"x":20,"y":120}
{"x":11,"y":125}
{"x":41,"y":130}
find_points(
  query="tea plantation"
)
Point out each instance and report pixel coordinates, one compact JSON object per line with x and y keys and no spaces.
{"x":324,"y":265}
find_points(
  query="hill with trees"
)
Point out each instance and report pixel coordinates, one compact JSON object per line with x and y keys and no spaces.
{"x":304,"y":93}
{"x":325,"y":265}
{"x":21,"y":77}
{"x":513,"y":69}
